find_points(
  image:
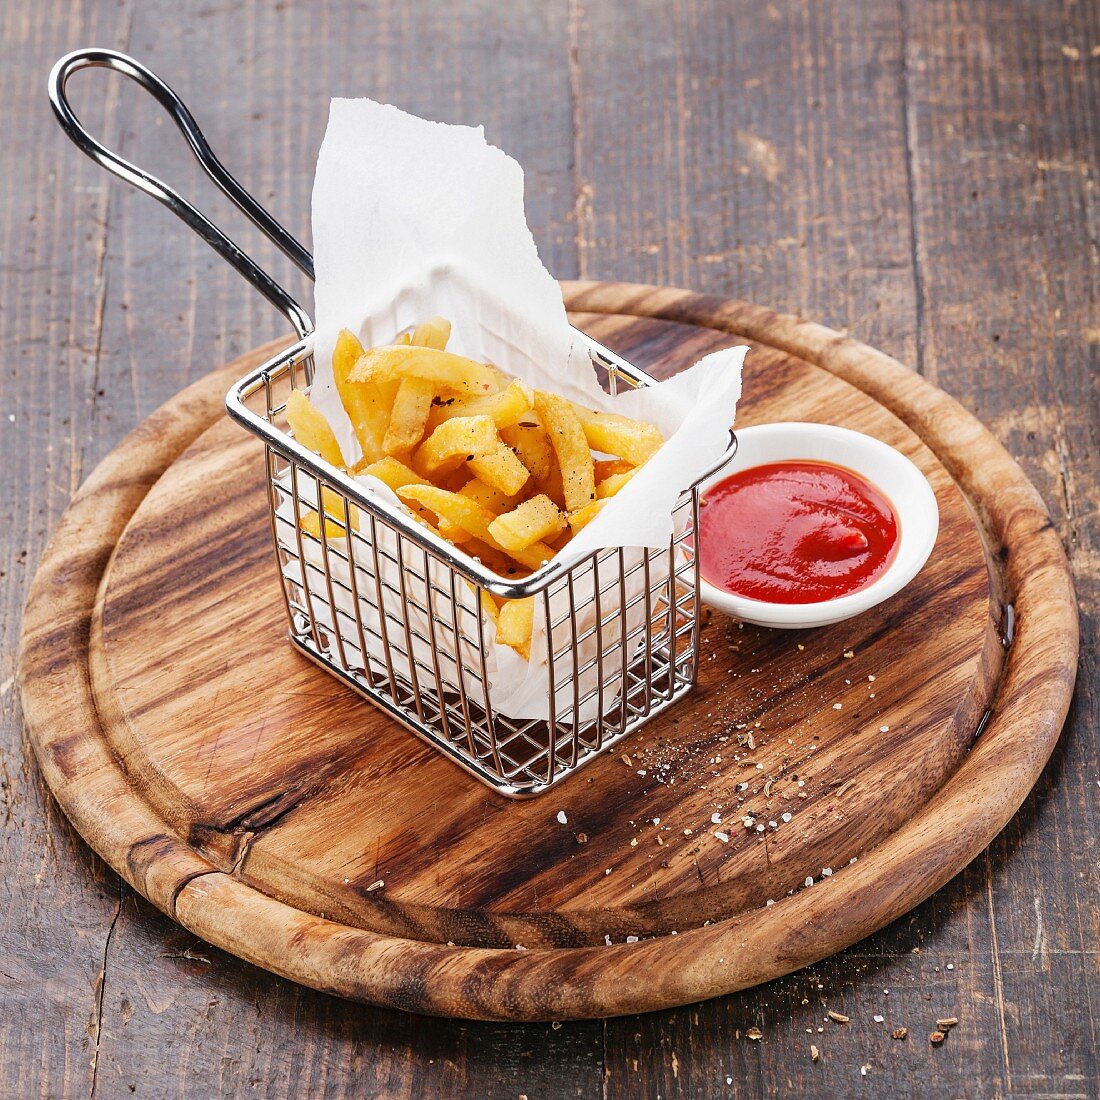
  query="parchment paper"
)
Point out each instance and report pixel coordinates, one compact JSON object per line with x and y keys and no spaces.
{"x":414,"y":219}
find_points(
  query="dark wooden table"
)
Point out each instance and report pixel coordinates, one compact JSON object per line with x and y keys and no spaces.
{"x":922,"y":174}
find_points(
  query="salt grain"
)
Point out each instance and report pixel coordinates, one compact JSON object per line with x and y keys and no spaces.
{"x":562,"y":819}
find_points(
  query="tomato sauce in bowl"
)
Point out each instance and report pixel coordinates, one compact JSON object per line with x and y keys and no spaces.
{"x":795,"y":532}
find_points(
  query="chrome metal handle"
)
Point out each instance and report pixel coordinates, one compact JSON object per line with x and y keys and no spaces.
{"x":151,"y":185}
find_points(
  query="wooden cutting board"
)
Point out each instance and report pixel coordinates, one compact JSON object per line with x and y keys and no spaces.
{"x":271,"y":811}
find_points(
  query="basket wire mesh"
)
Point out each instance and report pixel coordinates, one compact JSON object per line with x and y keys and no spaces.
{"x":395,"y":611}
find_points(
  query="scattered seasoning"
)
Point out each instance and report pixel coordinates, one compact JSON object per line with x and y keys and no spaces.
{"x":884,"y":729}
{"x":723,"y":837}
{"x":848,"y":654}
{"x":562,"y":819}
{"x":936,"y":1038}
{"x":879,"y":1019}
{"x":815,"y":1054}
{"x":838,"y":1017}
{"x":582,"y":838}
{"x":947,"y":1023}
{"x":376,"y":885}
{"x":864,"y":1068}
{"x":838,"y":706}
{"x":755,"y":1034}
{"x":899,"y":1033}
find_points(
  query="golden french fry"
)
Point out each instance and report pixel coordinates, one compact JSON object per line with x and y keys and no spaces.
{"x":334,"y":517}
{"x":409,"y":416}
{"x":567,"y":437}
{"x":535,"y":520}
{"x":504,"y":471}
{"x":445,"y":369}
{"x":311,"y":429}
{"x":367,"y":404}
{"x":472,"y":518}
{"x":389,"y":471}
{"x":432,"y":334}
{"x":607,"y":467}
{"x":501,"y":469}
{"x":454,"y":441}
{"x":515,"y":624}
{"x":489,"y":606}
{"x":582,"y":517}
{"x":505,"y":407}
{"x":494,"y":559}
{"x":488,"y":496}
{"x":634,"y":440}
{"x":528,"y":438}
{"x":613,"y":483}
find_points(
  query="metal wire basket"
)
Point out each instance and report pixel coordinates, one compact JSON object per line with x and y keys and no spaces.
{"x":394,"y":611}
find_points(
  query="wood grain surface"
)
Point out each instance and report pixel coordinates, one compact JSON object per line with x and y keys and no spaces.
{"x":286,"y":781}
{"x":265,"y":828}
{"x":920,"y":174}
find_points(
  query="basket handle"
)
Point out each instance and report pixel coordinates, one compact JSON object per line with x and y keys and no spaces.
{"x":145,"y":181}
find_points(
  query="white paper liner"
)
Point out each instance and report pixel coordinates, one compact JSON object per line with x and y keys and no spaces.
{"x":414,"y":219}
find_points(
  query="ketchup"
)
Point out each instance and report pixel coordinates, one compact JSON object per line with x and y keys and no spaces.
{"x":795,"y":532}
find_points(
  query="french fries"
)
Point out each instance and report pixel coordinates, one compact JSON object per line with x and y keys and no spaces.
{"x":619,"y":435}
{"x":514,"y":625}
{"x":567,"y":437}
{"x":509,"y":473}
{"x":455,"y":441}
{"x":532,"y":521}
{"x":409,"y":416}
{"x":311,"y":429}
{"x":432,"y":334}
{"x":367,"y":405}
{"x":501,"y":469}
{"x":506,"y":407}
{"x":473,"y":519}
{"x":450,"y":372}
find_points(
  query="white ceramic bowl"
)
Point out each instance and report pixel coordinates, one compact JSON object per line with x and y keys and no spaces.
{"x":890,"y":471}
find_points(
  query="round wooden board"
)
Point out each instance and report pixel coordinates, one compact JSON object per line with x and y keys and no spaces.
{"x":260,"y":803}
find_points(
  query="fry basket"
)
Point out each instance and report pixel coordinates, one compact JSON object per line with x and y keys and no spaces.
{"x":394,"y":611}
